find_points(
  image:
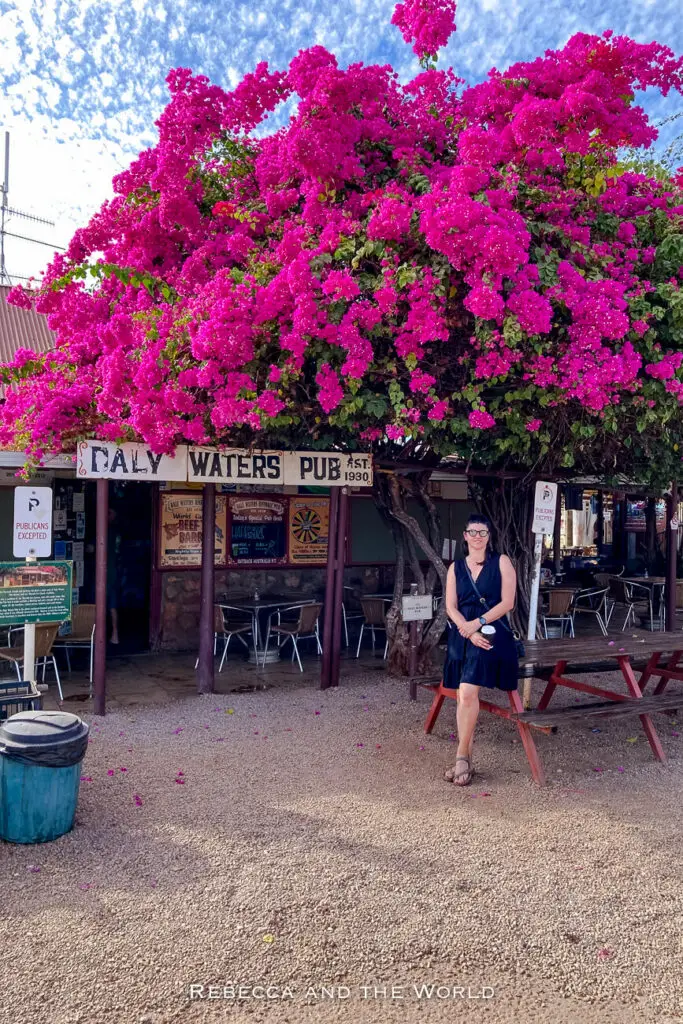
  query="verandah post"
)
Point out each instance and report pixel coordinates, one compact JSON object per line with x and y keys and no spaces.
{"x":100,"y":660}
{"x":328,"y":610}
{"x":205,"y":668}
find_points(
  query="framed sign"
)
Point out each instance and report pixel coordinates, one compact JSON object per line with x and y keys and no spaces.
{"x":257,"y":529}
{"x":39,"y":592}
{"x":309,"y":530}
{"x":181,"y":530}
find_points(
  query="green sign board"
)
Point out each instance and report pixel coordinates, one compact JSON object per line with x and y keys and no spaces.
{"x":35,"y":592}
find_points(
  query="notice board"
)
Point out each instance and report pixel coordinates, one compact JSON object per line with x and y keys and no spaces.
{"x":181,"y":530}
{"x":309,"y":530}
{"x":38,"y":592}
{"x":257,"y":530}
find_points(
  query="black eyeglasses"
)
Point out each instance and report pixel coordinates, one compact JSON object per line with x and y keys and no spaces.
{"x":477,"y":533}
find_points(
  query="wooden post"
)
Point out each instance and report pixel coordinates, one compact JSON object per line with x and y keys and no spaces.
{"x":671,"y":555}
{"x":340,"y":561}
{"x":601,"y":522}
{"x":557,"y":534}
{"x":329,"y":590}
{"x":101,"y":532}
{"x":205,"y":668}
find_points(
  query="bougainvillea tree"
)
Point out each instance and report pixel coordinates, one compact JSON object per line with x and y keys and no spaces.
{"x":416,"y":269}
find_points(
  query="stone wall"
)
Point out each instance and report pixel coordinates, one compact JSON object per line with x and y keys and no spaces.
{"x":180,"y":594}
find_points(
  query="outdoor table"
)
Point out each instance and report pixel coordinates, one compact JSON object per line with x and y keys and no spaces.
{"x":256,"y":609}
{"x":551,"y":659}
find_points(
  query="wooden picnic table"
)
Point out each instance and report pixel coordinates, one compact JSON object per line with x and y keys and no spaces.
{"x":552,"y":659}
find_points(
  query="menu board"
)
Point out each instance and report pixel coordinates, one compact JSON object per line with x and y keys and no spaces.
{"x":257,"y":530}
{"x":309,"y":530}
{"x":181,"y":530}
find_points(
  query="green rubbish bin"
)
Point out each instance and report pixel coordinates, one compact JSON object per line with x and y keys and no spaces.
{"x":40,"y":772}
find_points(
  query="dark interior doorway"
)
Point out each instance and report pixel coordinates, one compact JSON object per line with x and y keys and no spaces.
{"x":132,"y":529}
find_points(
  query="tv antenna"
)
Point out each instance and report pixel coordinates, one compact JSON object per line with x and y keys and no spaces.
{"x":6,"y":212}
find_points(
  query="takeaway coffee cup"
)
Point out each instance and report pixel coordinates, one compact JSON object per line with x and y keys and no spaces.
{"x":489,"y":632}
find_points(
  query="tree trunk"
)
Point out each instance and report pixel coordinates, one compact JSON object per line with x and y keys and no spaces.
{"x":412,"y":544}
{"x":509,"y":506}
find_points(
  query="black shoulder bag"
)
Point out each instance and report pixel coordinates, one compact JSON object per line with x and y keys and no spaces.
{"x":519,"y":643}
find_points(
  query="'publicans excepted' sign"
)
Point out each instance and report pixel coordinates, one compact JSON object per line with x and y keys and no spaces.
{"x":32,"y":522}
{"x":545,"y":501}
{"x":39,"y":592}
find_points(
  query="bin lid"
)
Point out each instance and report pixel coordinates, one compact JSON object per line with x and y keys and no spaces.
{"x":44,"y":737}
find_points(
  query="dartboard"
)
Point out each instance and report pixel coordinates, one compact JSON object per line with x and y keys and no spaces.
{"x":306,"y":525}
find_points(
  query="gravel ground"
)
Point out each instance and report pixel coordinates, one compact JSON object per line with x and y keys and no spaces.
{"x":306,"y":839}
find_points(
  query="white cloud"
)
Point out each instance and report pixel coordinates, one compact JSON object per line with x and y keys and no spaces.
{"x":83,"y":80}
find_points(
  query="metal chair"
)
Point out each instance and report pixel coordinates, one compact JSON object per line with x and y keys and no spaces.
{"x":46,"y":634}
{"x":643,"y":595}
{"x":16,"y":696}
{"x":559,"y":610}
{"x":226,"y":628}
{"x":82,"y":634}
{"x":373,"y":618}
{"x":591,"y":601}
{"x":602,"y":580}
{"x":306,"y":627}
{"x":346,"y":617}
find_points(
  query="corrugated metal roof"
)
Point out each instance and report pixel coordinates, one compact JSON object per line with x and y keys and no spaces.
{"x":21,"y":328}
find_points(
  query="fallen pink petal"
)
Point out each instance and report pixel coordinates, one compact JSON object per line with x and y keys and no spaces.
{"x":605,"y":954}
{"x":110,"y":771}
{"x":33,"y":868}
{"x":86,"y":778}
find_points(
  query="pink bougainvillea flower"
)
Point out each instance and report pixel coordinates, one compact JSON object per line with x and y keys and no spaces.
{"x":137,"y":799}
{"x":110,"y":771}
{"x":605,"y":954}
{"x":86,"y":778}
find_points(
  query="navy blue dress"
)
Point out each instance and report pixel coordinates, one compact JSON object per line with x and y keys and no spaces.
{"x":466,"y":663}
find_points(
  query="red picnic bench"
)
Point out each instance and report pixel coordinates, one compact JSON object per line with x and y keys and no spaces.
{"x":551,"y":659}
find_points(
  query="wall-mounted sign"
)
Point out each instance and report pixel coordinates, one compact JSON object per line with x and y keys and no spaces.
{"x":207,"y":465}
{"x":34,"y":593}
{"x":309,"y":530}
{"x":327,"y":469}
{"x":105,"y":460}
{"x":32,"y":522}
{"x":181,"y":530}
{"x":257,"y":531}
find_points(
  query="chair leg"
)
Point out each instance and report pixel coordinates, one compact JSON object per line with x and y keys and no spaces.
{"x":386,"y":648}
{"x":317,"y":637}
{"x":346,"y":628}
{"x":360,"y":640}
{"x":68,"y":659}
{"x":601,"y":623}
{"x":19,"y":673}
{"x":296,"y":651}
{"x":372,"y":630}
{"x":225,"y":651}
{"x":59,"y":682}
{"x":265,"y":646}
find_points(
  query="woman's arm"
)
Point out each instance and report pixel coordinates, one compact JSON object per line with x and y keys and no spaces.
{"x":508,"y":591}
{"x":452,"y":599}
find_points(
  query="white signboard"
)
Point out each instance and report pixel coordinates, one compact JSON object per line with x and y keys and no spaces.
{"x":233,"y":466}
{"x":109,"y":461}
{"x":545,"y":502}
{"x":417,"y":607}
{"x":105,"y":460}
{"x":32,"y":522}
{"x":327,"y":469}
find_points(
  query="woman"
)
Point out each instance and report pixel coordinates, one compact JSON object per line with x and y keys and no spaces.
{"x":476,"y":658}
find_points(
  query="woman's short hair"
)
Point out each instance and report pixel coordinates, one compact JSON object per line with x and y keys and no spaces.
{"x":478,"y":519}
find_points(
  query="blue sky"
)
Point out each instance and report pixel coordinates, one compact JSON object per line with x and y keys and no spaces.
{"x":81,"y":81}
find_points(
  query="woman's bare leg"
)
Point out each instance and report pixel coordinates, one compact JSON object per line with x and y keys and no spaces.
{"x":114,"y":625}
{"x":467,"y":714}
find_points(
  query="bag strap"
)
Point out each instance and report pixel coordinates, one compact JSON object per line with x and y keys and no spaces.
{"x":483,"y":600}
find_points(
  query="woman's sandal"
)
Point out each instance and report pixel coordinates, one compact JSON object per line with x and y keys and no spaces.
{"x":453,"y":775}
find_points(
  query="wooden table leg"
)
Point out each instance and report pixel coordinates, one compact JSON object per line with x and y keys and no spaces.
{"x":647,"y":723}
{"x":527,"y":740}
{"x":437,"y":703}
{"x":664,"y":680}
{"x":648,"y":672}
{"x":558,"y":671}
